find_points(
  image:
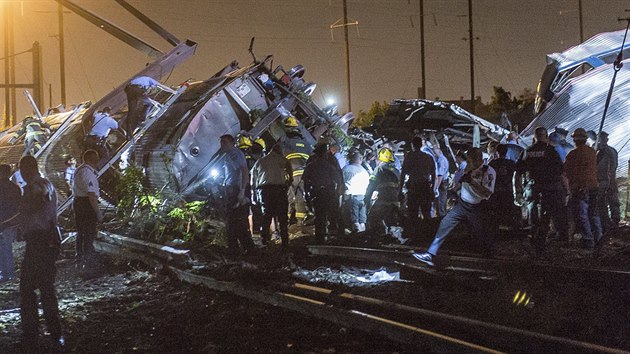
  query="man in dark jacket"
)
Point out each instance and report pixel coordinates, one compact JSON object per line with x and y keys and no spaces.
{"x":323,"y":183}
{"x":37,"y":216}
{"x":419,"y":167}
{"x":383,"y":213}
{"x":10,"y":195}
{"x":545,"y":192}
{"x":608,"y":195}
{"x":503,"y":211}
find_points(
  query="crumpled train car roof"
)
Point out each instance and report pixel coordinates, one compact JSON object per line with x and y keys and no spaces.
{"x":404,"y":117}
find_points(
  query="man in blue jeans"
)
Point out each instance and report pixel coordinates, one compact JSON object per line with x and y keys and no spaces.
{"x":10,"y":195}
{"x":476,"y":185}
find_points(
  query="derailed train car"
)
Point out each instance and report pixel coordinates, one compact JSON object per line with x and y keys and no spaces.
{"x":573,"y":89}
{"x":181,"y":151}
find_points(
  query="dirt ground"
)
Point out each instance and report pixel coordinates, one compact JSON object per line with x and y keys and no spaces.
{"x":125,"y":308}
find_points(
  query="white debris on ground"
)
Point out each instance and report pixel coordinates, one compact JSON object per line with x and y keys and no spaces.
{"x":347,"y":276}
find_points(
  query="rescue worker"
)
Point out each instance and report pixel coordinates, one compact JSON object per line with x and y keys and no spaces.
{"x":297,"y":150}
{"x":86,"y":192}
{"x":503,"y":210}
{"x":138,"y":101}
{"x":383,"y":213}
{"x":35,"y":133}
{"x":235,"y":200}
{"x":356,"y":180}
{"x":580,"y":169}
{"x":253,"y":151}
{"x":10,"y":195}
{"x":611,"y":194}
{"x":271,"y":177}
{"x":322,"y":184}
{"x":418,"y":176}
{"x":97,"y":136}
{"x":544,"y":191}
{"x":37,"y":217}
{"x":476,"y":185}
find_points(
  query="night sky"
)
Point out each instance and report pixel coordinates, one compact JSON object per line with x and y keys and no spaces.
{"x":514,"y":36}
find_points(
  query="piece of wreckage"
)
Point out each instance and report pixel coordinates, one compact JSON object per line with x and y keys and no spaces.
{"x":448,"y":125}
{"x":573,"y":89}
{"x":177,"y":145}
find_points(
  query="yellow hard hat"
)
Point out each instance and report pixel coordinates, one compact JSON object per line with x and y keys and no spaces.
{"x":261,"y":142}
{"x":291,"y":122}
{"x":244,"y":142}
{"x":385,"y":155}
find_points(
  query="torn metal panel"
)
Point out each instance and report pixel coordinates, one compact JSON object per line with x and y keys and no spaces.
{"x":573,"y":90}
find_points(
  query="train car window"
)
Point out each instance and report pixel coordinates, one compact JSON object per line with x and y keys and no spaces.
{"x":566,"y":75}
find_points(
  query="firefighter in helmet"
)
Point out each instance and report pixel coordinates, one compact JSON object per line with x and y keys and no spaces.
{"x":297,"y":150}
{"x":35,"y":132}
{"x":253,"y":151}
{"x":383,"y":212}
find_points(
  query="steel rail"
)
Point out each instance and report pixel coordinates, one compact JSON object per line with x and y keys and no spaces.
{"x":475,"y":264}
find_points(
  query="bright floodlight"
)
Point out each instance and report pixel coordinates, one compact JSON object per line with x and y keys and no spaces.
{"x":214,"y":173}
{"x":330,"y":101}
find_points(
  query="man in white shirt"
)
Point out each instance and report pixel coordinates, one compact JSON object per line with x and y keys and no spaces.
{"x":86,"y":191}
{"x":356,"y":179}
{"x":97,"y":137}
{"x":476,"y":185}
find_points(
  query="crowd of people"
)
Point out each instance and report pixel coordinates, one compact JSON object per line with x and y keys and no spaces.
{"x":560,"y":189}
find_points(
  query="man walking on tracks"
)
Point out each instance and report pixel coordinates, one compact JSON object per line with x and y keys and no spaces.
{"x":37,"y":216}
{"x":86,"y":192}
{"x":476,"y":185}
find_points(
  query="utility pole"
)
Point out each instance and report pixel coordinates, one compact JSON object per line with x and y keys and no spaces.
{"x":581,"y":22}
{"x":345,"y":32}
{"x":345,"y":25}
{"x":62,"y":56}
{"x":472,"y":57}
{"x":7,"y":81}
{"x":423,"y":92}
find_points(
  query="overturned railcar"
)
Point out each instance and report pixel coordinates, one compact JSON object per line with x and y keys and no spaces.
{"x":573,"y":89}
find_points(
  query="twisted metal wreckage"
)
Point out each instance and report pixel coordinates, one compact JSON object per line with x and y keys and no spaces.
{"x":178,"y":145}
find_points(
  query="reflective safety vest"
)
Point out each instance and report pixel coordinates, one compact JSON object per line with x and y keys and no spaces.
{"x":32,"y":128}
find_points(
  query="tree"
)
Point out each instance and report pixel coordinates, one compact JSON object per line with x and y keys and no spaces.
{"x":502,"y":101}
{"x":365,"y":119}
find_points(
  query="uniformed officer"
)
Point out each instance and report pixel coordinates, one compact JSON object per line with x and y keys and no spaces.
{"x":544,"y":192}
{"x":383,"y":213}
{"x":37,"y":216}
{"x":97,"y":136}
{"x":86,"y":192}
{"x":36,"y":133}
{"x":323,"y":183}
{"x":297,"y":150}
{"x":476,"y":185}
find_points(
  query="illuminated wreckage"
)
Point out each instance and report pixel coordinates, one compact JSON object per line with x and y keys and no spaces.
{"x":574,"y":86}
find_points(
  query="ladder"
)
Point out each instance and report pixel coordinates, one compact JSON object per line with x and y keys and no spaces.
{"x":156,"y":112}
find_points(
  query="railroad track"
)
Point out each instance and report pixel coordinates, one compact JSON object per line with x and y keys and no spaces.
{"x":424,"y":330}
{"x":592,"y":277}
